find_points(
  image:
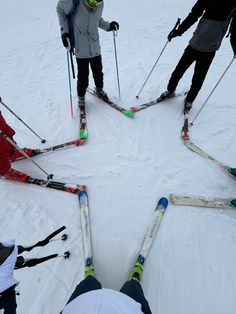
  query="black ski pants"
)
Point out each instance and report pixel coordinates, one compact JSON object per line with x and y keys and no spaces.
{"x":8,"y":301}
{"x":131,"y":288}
{"x":202,"y":60}
{"x":83,"y":73}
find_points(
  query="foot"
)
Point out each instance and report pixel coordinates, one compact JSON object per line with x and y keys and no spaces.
{"x":89,"y":271}
{"x":232,"y":171}
{"x":101,"y":94}
{"x":15,"y":175}
{"x":81,"y":101}
{"x":187,"y":106}
{"x":16,"y":154}
{"x":137,"y":272}
{"x":166,"y":94}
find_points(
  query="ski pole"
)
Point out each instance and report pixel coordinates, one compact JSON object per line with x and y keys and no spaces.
{"x":115,"y":33}
{"x":49,"y":176}
{"x":213,"y":90}
{"x":69,"y":80}
{"x":176,"y":25}
{"x":42,"y":140}
{"x":72,"y":64}
{"x":43,"y":242}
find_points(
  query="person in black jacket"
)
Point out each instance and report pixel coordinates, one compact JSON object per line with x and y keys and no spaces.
{"x":216,"y":17}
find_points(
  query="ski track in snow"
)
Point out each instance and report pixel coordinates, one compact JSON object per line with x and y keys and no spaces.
{"x":127,"y":163}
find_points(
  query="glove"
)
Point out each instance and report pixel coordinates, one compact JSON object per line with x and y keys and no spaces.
{"x":114,"y":26}
{"x":65,"y":38}
{"x":173,"y":33}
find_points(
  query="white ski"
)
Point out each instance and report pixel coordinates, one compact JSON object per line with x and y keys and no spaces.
{"x":202,"y":201}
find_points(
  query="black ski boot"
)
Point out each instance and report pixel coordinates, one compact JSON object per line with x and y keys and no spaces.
{"x":166,"y":94}
{"x":187,"y":106}
{"x":81,"y":102}
{"x":101,"y":94}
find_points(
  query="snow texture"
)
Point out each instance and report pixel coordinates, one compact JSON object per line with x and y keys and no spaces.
{"x":127,"y":163}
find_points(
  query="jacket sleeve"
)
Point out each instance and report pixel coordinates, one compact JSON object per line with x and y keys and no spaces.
{"x":104,"y":25}
{"x":64,"y":8}
{"x":233,"y":33}
{"x":196,"y":12}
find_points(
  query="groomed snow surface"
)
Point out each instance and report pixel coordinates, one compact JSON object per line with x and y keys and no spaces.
{"x":126,"y":163}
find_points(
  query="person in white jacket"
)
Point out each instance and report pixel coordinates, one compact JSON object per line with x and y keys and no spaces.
{"x":8,"y":257}
{"x":89,"y":297}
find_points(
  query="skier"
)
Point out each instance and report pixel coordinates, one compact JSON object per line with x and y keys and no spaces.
{"x":87,"y":17}
{"x":8,"y":153}
{"x":216,"y":16}
{"x":89,"y":297}
{"x":9,"y":260}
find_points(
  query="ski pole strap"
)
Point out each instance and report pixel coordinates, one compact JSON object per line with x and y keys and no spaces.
{"x":22,"y":262}
{"x":42,"y":242}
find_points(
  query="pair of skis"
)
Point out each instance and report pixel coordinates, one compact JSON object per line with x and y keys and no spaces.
{"x":83,"y":123}
{"x":86,"y":232}
{"x":60,"y":186}
{"x":66,"y":187}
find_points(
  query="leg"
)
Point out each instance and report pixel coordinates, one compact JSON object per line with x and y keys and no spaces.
{"x":82,"y":77}
{"x":203,"y":62}
{"x":184,"y":63}
{"x":8,"y":301}
{"x":96,"y":66}
{"x":88,"y":284}
{"x":133,"y":289}
{"x":4,"y":162}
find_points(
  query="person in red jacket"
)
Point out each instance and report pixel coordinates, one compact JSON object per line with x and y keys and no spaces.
{"x":8,"y":152}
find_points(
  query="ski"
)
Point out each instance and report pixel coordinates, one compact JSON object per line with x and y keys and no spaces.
{"x":86,"y":232}
{"x":227,"y":169}
{"x":149,"y":237}
{"x":83,"y":125}
{"x":66,"y":187}
{"x":37,"y":151}
{"x":127,"y":113}
{"x":202,"y":201}
{"x":153,"y":102}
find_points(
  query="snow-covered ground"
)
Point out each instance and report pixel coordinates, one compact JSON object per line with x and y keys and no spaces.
{"x":127,"y":164}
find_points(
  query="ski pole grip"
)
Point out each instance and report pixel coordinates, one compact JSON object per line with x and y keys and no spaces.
{"x":177,"y":23}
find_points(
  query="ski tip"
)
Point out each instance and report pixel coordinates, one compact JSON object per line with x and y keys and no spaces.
{"x":82,"y":193}
{"x":128,"y":113}
{"x":83,"y":134}
{"x":163,"y":202}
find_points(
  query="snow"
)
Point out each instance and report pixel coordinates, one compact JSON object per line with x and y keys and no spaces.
{"x":126,"y":163}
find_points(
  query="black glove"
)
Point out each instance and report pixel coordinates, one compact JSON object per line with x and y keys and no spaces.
{"x":64,"y":38}
{"x":173,"y":33}
{"x":114,"y":26}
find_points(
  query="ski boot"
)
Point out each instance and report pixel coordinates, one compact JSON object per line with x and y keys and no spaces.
{"x":89,"y":271}
{"x":15,"y":175}
{"x":137,"y":272}
{"x":16,"y":154}
{"x":232,"y":171}
{"x":81,"y":102}
{"x":101,"y":94}
{"x":166,"y":94}
{"x":187,"y":106}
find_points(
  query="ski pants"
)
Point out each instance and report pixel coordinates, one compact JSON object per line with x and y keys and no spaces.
{"x":131,"y":288}
{"x":83,"y":73}
{"x":202,"y":60}
{"x":8,"y":301}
